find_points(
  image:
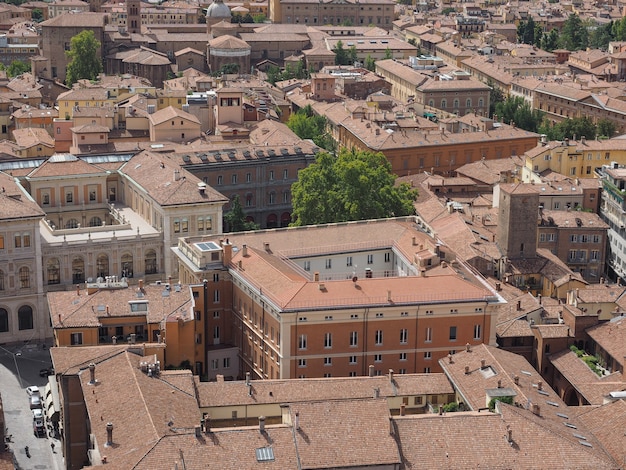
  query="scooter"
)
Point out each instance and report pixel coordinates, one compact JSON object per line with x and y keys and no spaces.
{"x":27,"y":451}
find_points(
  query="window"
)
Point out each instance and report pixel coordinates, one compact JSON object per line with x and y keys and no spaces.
{"x":24,"y":276}
{"x":387,"y":257}
{"x":370,"y":259}
{"x":4,"y":320}
{"x":53,"y":269}
{"x":176,"y":225}
{"x":349,"y":261}
{"x":378,"y":338}
{"x":216,"y":332}
{"x":220,"y":180}
{"x":301,"y":362}
{"x":403,"y":356}
{"x":25,"y":318}
{"x":429,"y":335}
{"x":216,"y":296}
{"x":453,"y":333}
{"x":307,"y":265}
{"x":428,"y":355}
{"x":596,"y":239}
{"x":378,"y":358}
{"x":351,"y":374}
{"x":233,"y":179}
{"x":328,"y":317}
{"x":379,"y":315}
{"x":1,"y":280}
{"x":477,"y":331}
{"x":404,"y":335}
{"x":215,"y":364}
{"x":354,"y":338}
{"x":426,"y":370}
{"x":285,"y":174}
{"x":352,"y":360}
{"x":45,"y":199}
{"x":184,"y":225}
{"x":302,"y":342}
{"x":417,"y":400}
{"x":76,"y":338}
{"x":328,"y":361}
{"x":595,"y":255}
{"x":69,"y":197}
{"x":329,"y":263}
{"x":92,"y":196}
{"x":328,"y":340}
{"x":404,"y":314}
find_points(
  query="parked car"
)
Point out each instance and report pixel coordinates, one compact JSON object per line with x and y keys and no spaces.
{"x":38,"y":416}
{"x":32,"y":390}
{"x":39,"y":430}
{"x":35,"y":402}
{"x":46,"y":372}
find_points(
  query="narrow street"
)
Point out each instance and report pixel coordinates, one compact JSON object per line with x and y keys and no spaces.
{"x":19,"y":368}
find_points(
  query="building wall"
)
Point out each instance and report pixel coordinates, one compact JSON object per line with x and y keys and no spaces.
{"x":175,"y":130}
{"x":517,"y":223}
{"x":360,"y":14}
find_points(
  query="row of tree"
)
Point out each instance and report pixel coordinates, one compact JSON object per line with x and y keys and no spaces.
{"x":516,"y":109}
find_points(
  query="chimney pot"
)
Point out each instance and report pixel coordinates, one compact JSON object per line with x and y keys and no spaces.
{"x":371,"y":370}
{"x":402,"y":409}
{"x":499,"y":383}
{"x":483,"y":363}
{"x":92,"y":373}
{"x":109,"y":434}
{"x":261,"y":424}
{"x":440,"y":410}
{"x":377,"y":392}
{"x":297,"y":420}
{"x":316,"y":276}
{"x":516,"y":379}
{"x":244,"y":250}
{"x":509,"y":434}
{"x":519,"y":305}
{"x":467,"y":369}
{"x":391,"y":375}
{"x":247,"y":378}
{"x":77,"y":289}
{"x":536,"y":409}
{"x":198,"y":431}
{"x":540,"y":385}
{"x":468,"y":348}
{"x":450,"y":361}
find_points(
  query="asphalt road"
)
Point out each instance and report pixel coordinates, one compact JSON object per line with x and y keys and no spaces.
{"x":19,"y":368}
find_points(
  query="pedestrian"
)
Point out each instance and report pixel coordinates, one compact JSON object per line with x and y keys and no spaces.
{"x":52,"y":446}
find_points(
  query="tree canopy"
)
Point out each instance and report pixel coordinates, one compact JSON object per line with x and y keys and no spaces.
{"x":85,"y":61}
{"x":354,"y":185}
{"x":574,"y":35}
{"x":516,"y":109}
{"x":236,"y":218}
{"x":307,"y":125}
{"x":570,"y":128}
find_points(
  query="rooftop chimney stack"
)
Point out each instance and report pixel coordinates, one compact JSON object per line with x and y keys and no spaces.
{"x":262,"y":424}
{"x":468,"y":348}
{"x":467,"y":370}
{"x":440,"y":410}
{"x":540,"y":385}
{"x":450,"y":361}
{"x":371,"y":370}
{"x":77,"y":289}
{"x":376,"y":392}
{"x":519,"y":305}
{"x":402,"y":409}
{"x":92,"y":373}
{"x":509,"y":434}
{"x":247,"y":378}
{"x":483,"y":363}
{"x":391,"y":375}
{"x":297,"y":420}
{"x":109,"y":441}
{"x":516,"y":379}
{"x":536,"y":409}
{"x":499,"y":383}
{"x":244,"y":250}
{"x":198,"y":431}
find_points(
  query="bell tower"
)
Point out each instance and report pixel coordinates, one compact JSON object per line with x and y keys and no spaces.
{"x":133,"y":16}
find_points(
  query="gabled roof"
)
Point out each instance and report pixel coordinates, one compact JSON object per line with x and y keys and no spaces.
{"x":65,"y":165}
{"x":171,"y":112}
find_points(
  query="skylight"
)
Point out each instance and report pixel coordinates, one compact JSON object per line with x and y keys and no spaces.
{"x":265,"y":454}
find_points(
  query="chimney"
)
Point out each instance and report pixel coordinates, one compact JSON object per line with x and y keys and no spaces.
{"x":391,"y":375}
{"x":483,"y":363}
{"x":414,"y":241}
{"x":498,"y":287}
{"x":316,"y":276}
{"x":247,"y":378}
{"x":108,"y":311}
{"x":227,"y":250}
{"x":244,"y":250}
{"x":262,"y":424}
{"x":140,"y":284}
{"x":377,"y":392}
{"x":440,"y":410}
{"x":77,"y":289}
{"x":509,"y":434}
{"x":499,"y":383}
{"x":371,"y":370}
{"x":176,"y":175}
{"x":519,"y":305}
{"x":402,"y":409}
{"x":60,"y":321}
{"x":388,"y":296}
{"x":266,"y":246}
{"x":297,"y":420}
{"x":540,"y":385}
{"x":467,"y":370}
{"x":450,"y":361}
{"x":377,"y":131}
{"x":201,"y":187}
{"x":109,"y":441}
{"x":468,"y":348}
{"x":516,"y":379}
{"x":539,"y":297}
{"x":207,"y":424}
{"x":198,"y":431}
{"x":536,"y":409}
{"x":92,"y":373}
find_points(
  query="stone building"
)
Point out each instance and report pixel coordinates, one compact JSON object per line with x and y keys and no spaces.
{"x":226,"y":50}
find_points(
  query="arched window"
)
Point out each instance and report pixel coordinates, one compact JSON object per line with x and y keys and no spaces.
{"x":53,"y":269}
{"x":4,"y":320}
{"x":127,"y":265}
{"x":444,"y":104}
{"x":102,"y":265}
{"x":272,"y":198}
{"x":72,"y":223}
{"x":151,"y":262}
{"x":431,"y":103}
{"x":480,"y":102}
{"x":468,"y":103}
{"x":456,"y":103}
{"x":24,"y":276}
{"x":95,"y":222}
{"x":78,"y":270}
{"x":25,"y":318}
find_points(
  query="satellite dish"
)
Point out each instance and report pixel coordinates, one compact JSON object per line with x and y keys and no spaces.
{"x":354,"y":279}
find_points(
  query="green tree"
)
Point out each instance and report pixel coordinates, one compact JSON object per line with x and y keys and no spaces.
{"x":259,"y":18}
{"x":307,"y":125}
{"x":84,"y":58}
{"x":569,"y":129}
{"x":370,"y":63}
{"x":354,"y":185}
{"x":574,"y":35}
{"x":516,"y":109}
{"x":601,"y":36}
{"x":236,"y":218}
{"x":495,"y":96}
{"x":37,"y":15}
{"x":341,"y":55}
{"x":446,"y":11}
{"x":229,"y":68}
{"x":550,"y":41}
{"x":388,"y":54}
{"x":605,"y":128}
{"x":17,"y":67}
